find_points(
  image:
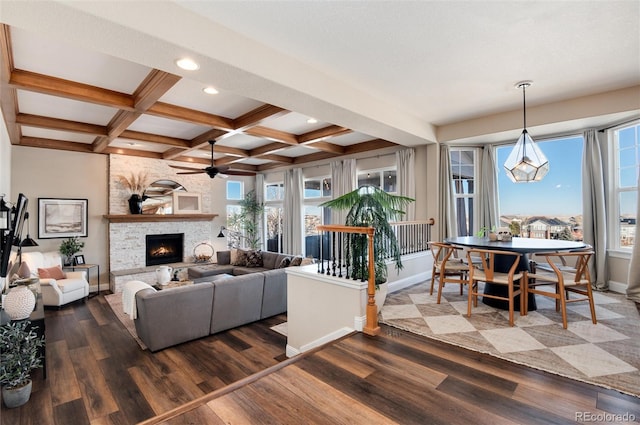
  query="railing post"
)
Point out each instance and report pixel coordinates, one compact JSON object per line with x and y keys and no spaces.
{"x":371,"y":327}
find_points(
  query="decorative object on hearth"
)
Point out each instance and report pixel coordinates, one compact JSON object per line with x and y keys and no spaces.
{"x":19,"y":302}
{"x":212,"y":170}
{"x":69,"y":248}
{"x":163,"y":274}
{"x":20,"y":352}
{"x":203,"y":252}
{"x":526,"y":162}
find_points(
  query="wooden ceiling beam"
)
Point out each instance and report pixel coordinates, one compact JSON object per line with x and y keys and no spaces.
{"x":318,"y":156}
{"x":38,"y":142}
{"x":256,"y":116}
{"x":278,"y":158}
{"x":271,"y":134}
{"x":327,"y":147}
{"x":174,"y":112}
{"x":32,"y":81}
{"x":227,"y":160}
{"x":323,"y":133}
{"x":267,"y":149}
{"x":8,"y":94}
{"x":154,"y":86}
{"x":370,"y":145}
{"x":39,"y":121}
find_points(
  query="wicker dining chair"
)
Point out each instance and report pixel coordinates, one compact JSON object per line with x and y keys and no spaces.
{"x":486,"y":272}
{"x":569,"y":275}
{"x":447,"y":267}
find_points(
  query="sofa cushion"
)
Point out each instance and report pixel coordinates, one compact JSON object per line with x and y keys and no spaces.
{"x":270,"y":259}
{"x":296,"y":261}
{"x":237,"y":301}
{"x":238,"y":271}
{"x":54,"y":272}
{"x":197,"y":272}
{"x":254,"y":259}
{"x":70,"y":285}
{"x":224,"y":257}
{"x":240,"y":258}
{"x":285,"y":262}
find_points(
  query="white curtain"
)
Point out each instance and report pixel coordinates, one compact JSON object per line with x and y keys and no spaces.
{"x":292,"y":236}
{"x":343,"y":180}
{"x":447,"y":213}
{"x":406,"y":178}
{"x":260,"y":200}
{"x":593,"y":208}
{"x":488,"y":190}
{"x":633,"y":282}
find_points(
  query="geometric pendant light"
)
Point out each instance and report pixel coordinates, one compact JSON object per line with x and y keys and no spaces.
{"x":526,"y":162}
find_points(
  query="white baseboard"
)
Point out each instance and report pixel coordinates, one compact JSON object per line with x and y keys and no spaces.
{"x":619,"y":287}
{"x":358,"y":323}
{"x":408,"y":281}
{"x":292,"y":351}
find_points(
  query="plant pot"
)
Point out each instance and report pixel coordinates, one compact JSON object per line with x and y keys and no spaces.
{"x":16,"y":397}
{"x":493,"y":236}
{"x":19,"y":303}
{"x":381,"y":295}
{"x":135,"y":204}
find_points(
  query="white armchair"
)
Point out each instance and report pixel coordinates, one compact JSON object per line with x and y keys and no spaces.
{"x":56,"y":292}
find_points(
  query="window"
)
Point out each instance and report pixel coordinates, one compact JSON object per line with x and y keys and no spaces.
{"x":274,"y":215}
{"x":552,"y":207}
{"x":463,"y":173}
{"x":627,"y":168}
{"x":316,"y":191}
{"x":235,"y":190}
{"x":317,"y":188}
{"x":385,"y":179}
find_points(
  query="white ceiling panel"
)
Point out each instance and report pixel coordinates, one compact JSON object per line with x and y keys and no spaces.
{"x":66,"y":109}
{"x":57,"y":135}
{"x":188,"y":94}
{"x":123,"y":143}
{"x":242,"y":141}
{"x":171,"y":128}
{"x":295,"y":123}
{"x":62,"y":60}
{"x":297,"y":151}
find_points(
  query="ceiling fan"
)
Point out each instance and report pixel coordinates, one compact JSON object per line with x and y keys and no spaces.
{"x":212,"y":171}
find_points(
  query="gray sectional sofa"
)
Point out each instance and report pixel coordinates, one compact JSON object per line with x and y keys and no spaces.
{"x":223,"y":297}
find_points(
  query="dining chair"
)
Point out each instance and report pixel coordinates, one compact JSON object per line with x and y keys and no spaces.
{"x":447,"y":267}
{"x":569,"y":274}
{"x":486,"y":272}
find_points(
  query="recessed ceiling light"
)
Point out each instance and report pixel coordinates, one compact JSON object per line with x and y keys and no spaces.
{"x":187,"y":64}
{"x":312,"y":121}
{"x":210,"y":90}
{"x":133,"y":144}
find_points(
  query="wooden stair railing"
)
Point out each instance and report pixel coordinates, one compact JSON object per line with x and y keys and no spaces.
{"x":335,"y":265}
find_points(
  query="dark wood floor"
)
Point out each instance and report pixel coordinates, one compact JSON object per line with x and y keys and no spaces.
{"x":98,"y":375}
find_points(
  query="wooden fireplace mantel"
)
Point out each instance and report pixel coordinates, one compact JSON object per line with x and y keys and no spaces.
{"x":139,"y":218}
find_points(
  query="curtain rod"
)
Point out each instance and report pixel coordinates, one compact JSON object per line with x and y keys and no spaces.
{"x":602,"y":130}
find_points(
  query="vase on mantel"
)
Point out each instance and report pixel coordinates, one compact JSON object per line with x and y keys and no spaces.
{"x":135,"y":204}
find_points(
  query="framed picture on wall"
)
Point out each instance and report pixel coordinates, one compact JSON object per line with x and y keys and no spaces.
{"x":62,"y":218}
{"x":186,"y":203}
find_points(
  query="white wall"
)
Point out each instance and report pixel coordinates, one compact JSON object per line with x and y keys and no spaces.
{"x":5,"y":162}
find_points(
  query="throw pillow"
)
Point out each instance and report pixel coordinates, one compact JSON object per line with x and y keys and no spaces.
{"x":24,"y":271}
{"x":224,"y":257}
{"x":307,"y":261}
{"x":285,"y":262}
{"x":234,"y":256}
{"x":241,"y":258}
{"x":51,"y":273}
{"x":254,"y":259}
{"x":296,"y":261}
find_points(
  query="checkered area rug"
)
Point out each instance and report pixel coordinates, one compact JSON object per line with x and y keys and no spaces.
{"x":605,"y":354}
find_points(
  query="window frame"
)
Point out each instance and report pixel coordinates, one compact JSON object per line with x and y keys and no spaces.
{"x":474,"y":196}
{"x":615,"y":190}
{"x":382,"y":172}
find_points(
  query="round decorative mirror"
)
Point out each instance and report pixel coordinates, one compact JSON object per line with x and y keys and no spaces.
{"x":158,"y":197}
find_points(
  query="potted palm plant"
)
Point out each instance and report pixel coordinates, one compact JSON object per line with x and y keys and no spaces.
{"x":370,"y":206}
{"x":20,"y":352}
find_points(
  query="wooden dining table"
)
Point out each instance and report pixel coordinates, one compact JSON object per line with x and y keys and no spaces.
{"x":524,"y":246}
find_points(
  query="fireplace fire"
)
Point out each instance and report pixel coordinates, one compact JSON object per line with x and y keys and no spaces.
{"x":164,"y":249}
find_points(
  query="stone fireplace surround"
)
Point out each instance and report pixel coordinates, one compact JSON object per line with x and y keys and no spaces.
{"x":127,"y":238}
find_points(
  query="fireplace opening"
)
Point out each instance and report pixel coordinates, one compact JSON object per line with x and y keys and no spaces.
{"x":164,"y":249}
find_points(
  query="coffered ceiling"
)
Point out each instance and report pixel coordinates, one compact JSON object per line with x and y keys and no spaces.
{"x":100,"y":77}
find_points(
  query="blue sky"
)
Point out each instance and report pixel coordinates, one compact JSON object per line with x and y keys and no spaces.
{"x":560,"y":191}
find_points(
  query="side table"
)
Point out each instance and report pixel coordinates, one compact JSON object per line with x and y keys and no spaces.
{"x":88,"y":268}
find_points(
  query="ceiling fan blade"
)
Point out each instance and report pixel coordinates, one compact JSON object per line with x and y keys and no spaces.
{"x":224,"y":176}
{"x":191,"y":172}
{"x":179,"y":167}
{"x":240,"y":173}
{"x":223,"y":168}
